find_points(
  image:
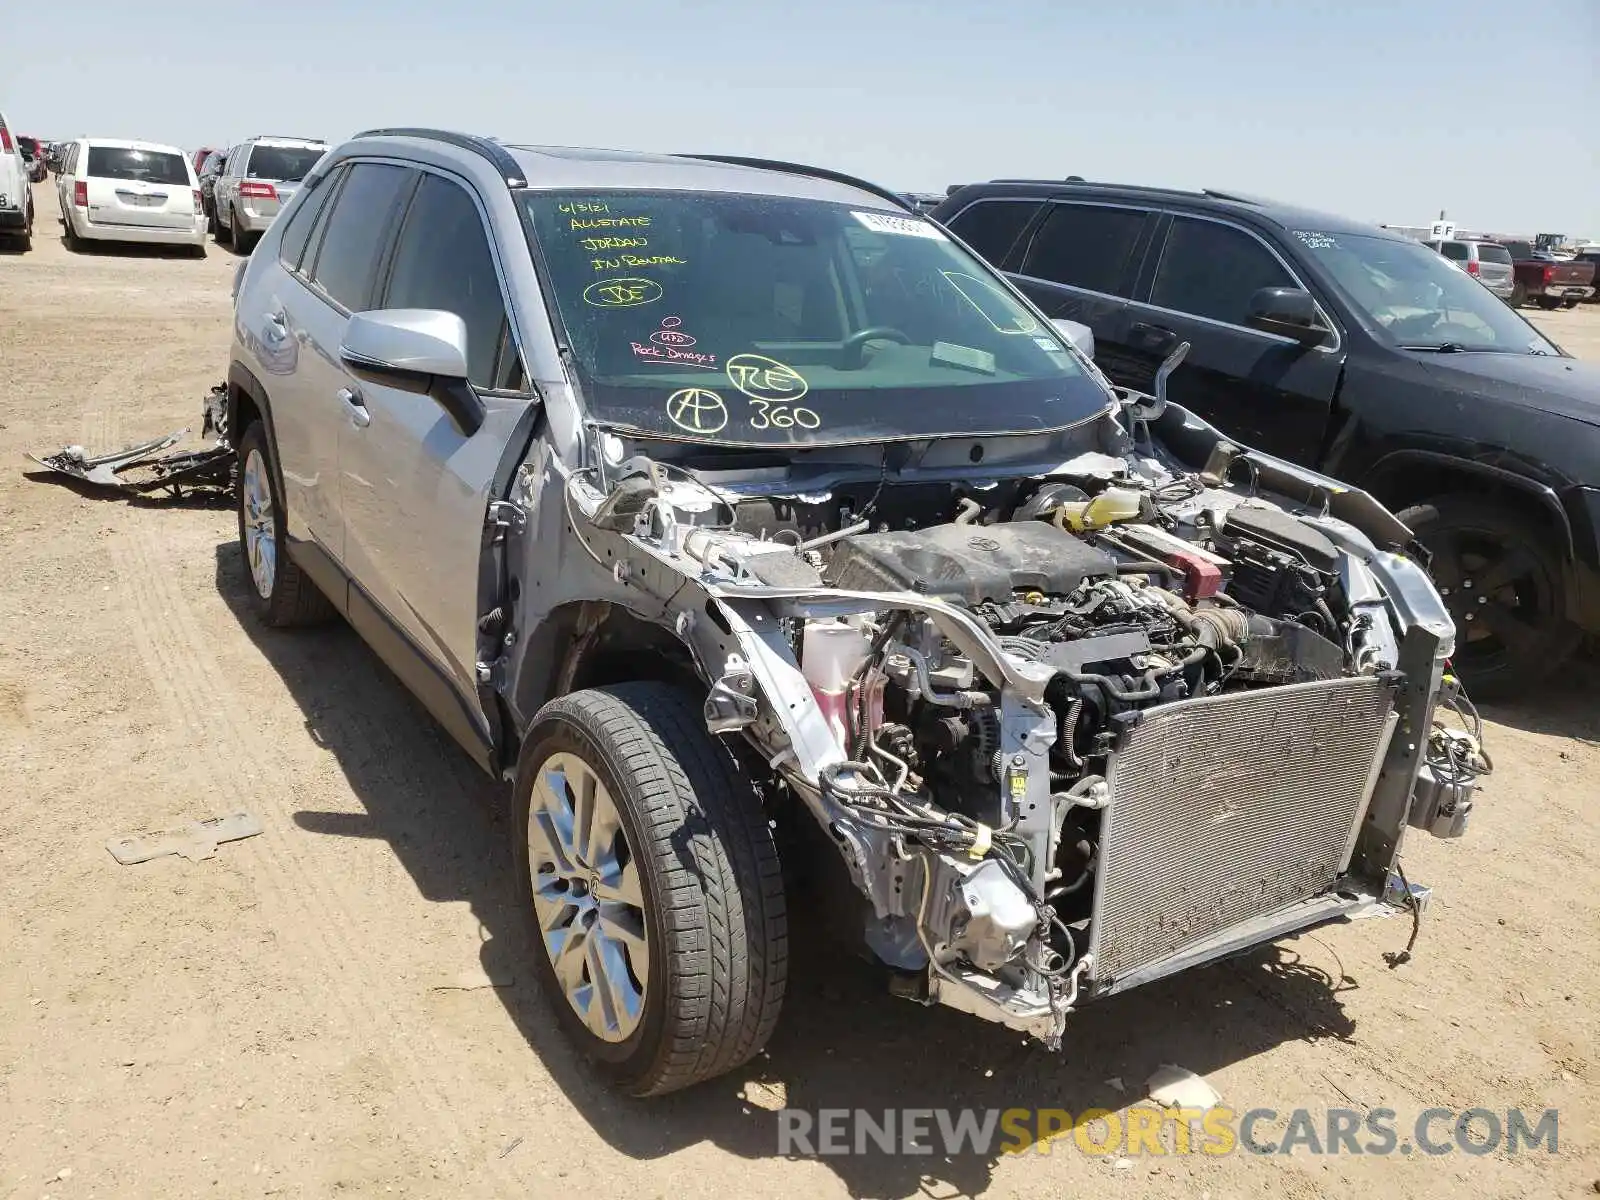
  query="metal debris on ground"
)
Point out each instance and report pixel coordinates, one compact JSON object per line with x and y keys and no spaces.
{"x":195,"y":841}
{"x":143,"y":468}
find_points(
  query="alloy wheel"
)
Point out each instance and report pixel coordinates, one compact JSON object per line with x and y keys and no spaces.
{"x":588,"y":897}
{"x":260,"y":532}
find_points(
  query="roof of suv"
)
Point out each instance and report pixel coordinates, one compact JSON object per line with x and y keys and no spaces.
{"x":1234,"y":204}
{"x":556,"y":168}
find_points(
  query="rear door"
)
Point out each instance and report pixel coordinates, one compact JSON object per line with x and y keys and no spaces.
{"x":1268,"y":391}
{"x":1081,"y":263}
{"x":414,"y":487}
{"x":140,"y":189}
{"x":297,"y":322}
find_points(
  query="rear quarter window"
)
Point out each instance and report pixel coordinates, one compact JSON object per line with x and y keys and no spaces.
{"x":146,"y":166}
{"x":991,"y":227}
{"x":1494,"y":254}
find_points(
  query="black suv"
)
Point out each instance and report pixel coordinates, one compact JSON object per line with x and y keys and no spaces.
{"x":1351,"y":349}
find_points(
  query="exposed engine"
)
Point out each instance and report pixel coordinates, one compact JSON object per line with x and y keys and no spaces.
{"x":1075,"y":734}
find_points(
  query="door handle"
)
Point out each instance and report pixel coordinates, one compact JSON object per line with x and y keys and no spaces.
{"x":359,"y":416}
{"x":1154,"y":339}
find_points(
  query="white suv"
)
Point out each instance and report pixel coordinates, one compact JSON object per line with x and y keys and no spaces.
{"x":16,"y":196}
{"x":121,"y":191}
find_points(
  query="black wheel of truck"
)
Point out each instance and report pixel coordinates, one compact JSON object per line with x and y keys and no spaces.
{"x":1501,"y":576}
{"x":282,"y":593}
{"x":1573,"y":303}
{"x":1548,"y":302}
{"x":652,"y":876}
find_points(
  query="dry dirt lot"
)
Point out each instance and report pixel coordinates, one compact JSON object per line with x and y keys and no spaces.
{"x":281,"y":1020}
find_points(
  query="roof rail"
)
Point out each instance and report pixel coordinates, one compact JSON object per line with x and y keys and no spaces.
{"x":510,"y":170}
{"x":1236,"y":197}
{"x":789,"y":168}
{"x":1149,"y":189}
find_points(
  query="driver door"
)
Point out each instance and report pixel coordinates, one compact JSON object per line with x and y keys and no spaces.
{"x":1268,"y":391}
{"x":414,"y":485}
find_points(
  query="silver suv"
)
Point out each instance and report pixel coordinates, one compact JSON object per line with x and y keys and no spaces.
{"x":257,"y":179}
{"x":1487,"y":262}
{"x":711,"y":501}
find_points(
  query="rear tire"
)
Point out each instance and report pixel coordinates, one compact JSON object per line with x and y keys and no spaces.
{"x":666,"y":909}
{"x":1519,"y":295}
{"x":224,"y":231}
{"x":1502,"y":577}
{"x":1548,"y":302}
{"x":284,"y":596}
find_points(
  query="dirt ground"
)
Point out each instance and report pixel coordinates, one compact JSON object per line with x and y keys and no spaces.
{"x":285,"y":1019}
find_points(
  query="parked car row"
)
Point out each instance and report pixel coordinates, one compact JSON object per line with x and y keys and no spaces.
{"x":145,"y":192}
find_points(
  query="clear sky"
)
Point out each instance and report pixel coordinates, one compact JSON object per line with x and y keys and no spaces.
{"x":1379,"y":111}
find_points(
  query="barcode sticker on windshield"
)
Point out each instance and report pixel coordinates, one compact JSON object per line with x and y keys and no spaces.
{"x":905,"y":226}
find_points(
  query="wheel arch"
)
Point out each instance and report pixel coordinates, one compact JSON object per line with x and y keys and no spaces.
{"x":1405,"y":477}
{"x":593,"y":643}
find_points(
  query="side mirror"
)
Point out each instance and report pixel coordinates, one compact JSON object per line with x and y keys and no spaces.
{"x":1287,"y":312}
{"x":1079,"y":335}
{"x":418,"y":350}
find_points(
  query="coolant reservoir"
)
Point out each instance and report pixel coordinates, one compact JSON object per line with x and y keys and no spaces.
{"x":1110,"y":506}
{"x":832,"y":653}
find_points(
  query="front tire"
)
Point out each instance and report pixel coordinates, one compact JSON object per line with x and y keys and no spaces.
{"x":282,"y":593}
{"x":1501,"y":577}
{"x":654,"y":882}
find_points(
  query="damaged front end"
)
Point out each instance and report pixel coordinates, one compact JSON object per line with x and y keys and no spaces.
{"x":1122,"y":720}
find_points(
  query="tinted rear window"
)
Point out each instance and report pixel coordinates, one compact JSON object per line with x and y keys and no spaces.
{"x":283,"y":163}
{"x":147,"y":166}
{"x":1493,"y":254}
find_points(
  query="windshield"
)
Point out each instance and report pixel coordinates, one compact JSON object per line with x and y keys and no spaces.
{"x":151,"y":166}
{"x":285,"y":164}
{"x":1418,"y":299}
{"x":760,"y":320}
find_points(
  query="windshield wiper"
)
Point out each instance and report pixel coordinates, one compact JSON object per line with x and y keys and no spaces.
{"x":1457,"y":348}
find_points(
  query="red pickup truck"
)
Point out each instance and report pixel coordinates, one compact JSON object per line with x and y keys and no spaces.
{"x":1548,"y":281}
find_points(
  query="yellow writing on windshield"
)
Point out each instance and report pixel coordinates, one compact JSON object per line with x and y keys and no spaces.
{"x":613,"y":243}
{"x":583,"y":206}
{"x":697,"y":410}
{"x":763,"y":378}
{"x":622,"y":261}
{"x":622,"y":293}
{"x":609,"y":222}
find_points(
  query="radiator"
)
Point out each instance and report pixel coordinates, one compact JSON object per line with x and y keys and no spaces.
{"x":1227,"y":808}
